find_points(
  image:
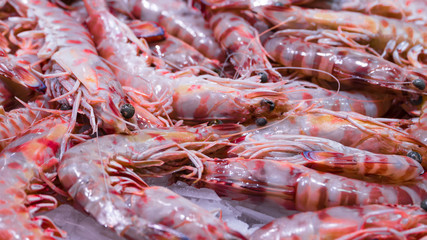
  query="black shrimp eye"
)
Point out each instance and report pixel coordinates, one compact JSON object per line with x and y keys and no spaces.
{"x":127,"y":110}
{"x":419,"y":83}
{"x":262,"y":121}
{"x":65,"y":107}
{"x":270,"y":103}
{"x":417,"y":101}
{"x":423,"y":204}
{"x":215,"y":122}
{"x":415,"y":155}
{"x":263,"y":76}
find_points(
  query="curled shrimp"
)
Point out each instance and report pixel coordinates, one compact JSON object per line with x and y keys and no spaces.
{"x":97,"y":177}
{"x":338,"y":222}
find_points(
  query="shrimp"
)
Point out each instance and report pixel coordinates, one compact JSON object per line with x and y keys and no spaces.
{"x":335,"y":222}
{"x":179,"y":55}
{"x":23,"y":160}
{"x":349,"y":129}
{"x":181,"y":21}
{"x":100,"y":180}
{"x":242,"y":41}
{"x":191,"y":98}
{"x":245,"y":5}
{"x":419,"y":129}
{"x":385,"y":35}
{"x":349,"y":66}
{"x":410,"y":11}
{"x":10,"y":70}
{"x":367,"y":103}
{"x":328,"y":156}
{"x":5,"y":95}
{"x":18,"y":120}
{"x":74,"y":67}
{"x":296,"y":187}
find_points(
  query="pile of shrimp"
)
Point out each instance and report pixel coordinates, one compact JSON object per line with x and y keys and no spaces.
{"x":314,"y":106}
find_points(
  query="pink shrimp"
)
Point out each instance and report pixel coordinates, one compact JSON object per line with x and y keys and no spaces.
{"x":180,"y":55}
{"x":385,"y":35}
{"x":22,"y":160}
{"x":335,"y":222}
{"x":5,"y":95}
{"x":328,"y":156}
{"x":407,"y":10}
{"x":293,"y":186}
{"x":247,"y":4}
{"x":419,"y":129}
{"x":367,"y":103}
{"x":106,"y":174}
{"x":181,"y":21}
{"x":351,"y":67}
{"x":75,"y":68}
{"x":18,"y":120}
{"x":349,"y":129}
{"x":186,"y":97}
{"x":242,"y":42}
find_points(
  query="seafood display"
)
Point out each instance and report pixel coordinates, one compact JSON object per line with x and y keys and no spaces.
{"x":314,"y":108}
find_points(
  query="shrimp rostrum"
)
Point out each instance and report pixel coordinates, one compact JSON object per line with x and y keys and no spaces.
{"x":97,"y":177}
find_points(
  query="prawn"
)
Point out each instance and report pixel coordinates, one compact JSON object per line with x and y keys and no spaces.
{"x":240,"y":39}
{"x":181,"y":21}
{"x":97,"y":178}
{"x":348,"y":128}
{"x":351,"y":67}
{"x":296,"y":187}
{"x":410,"y":11}
{"x":364,"y":102}
{"x":22,"y":160}
{"x":18,"y":120}
{"x":247,"y":5}
{"x":385,"y":35}
{"x":336,"y":222}
{"x":179,"y":55}
{"x":328,"y":156}
{"x":74,"y":68}
{"x":183,"y":97}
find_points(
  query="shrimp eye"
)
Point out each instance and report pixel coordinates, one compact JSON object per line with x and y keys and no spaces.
{"x":262,"y":121}
{"x":419,"y":83}
{"x":263,"y":76}
{"x":417,"y":101}
{"x":269,"y":103}
{"x":415,"y":155}
{"x":279,"y":4}
{"x":127,"y":110}
{"x":423,"y":204}
{"x":65,"y":107}
{"x":215,"y":122}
